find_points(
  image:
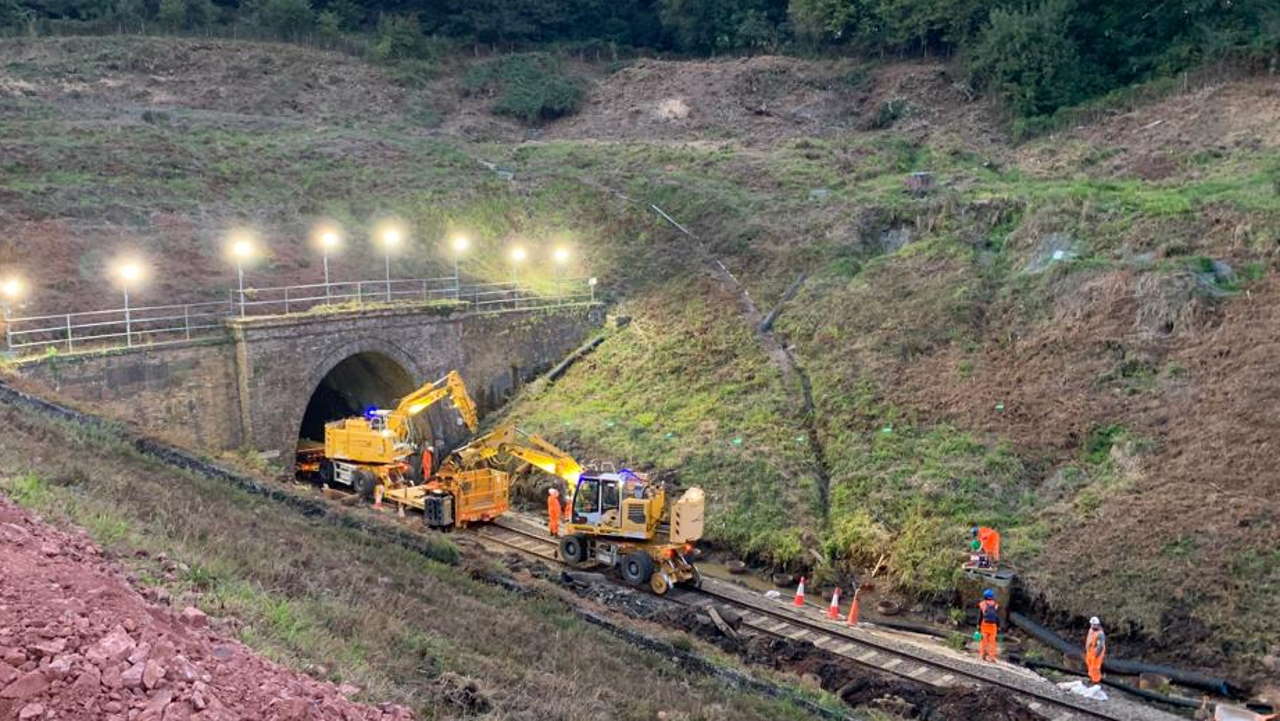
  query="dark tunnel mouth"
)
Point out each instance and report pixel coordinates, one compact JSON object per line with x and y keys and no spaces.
{"x":350,"y":387}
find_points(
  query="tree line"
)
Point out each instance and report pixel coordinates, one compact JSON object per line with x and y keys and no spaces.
{"x":1040,"y":55}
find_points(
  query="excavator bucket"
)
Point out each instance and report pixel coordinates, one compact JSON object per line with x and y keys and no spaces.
{"x":687,"y":516}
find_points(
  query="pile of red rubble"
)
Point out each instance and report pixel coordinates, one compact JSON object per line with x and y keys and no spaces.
{"x":78,"y":642}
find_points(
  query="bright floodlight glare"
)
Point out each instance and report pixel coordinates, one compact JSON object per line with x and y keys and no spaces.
{"x":460,"y":243}
{"x":11,"y":288}
{"x":391,"y":237}
{"x":129,"y":271}
{"x":329,"y":239}
{"x":518,"y":254}
{"x":242,"y":249}
{"x":592,"y":281}
{"x":561,"y":255}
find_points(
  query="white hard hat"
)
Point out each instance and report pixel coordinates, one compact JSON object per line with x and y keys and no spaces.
{"x":1094,"y":621}
{"x":553,"y":491}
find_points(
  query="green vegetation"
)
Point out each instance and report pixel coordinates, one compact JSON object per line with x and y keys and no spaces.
{"x":532,"y":87}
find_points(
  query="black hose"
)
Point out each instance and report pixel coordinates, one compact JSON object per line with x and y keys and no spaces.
{"x":1140,"y":692}
{"x":562,"y":366}
{"x":907,"y":626}
{"x":1194,"y":679}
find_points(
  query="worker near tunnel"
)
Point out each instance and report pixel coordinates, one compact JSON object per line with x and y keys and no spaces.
{"x":553,"y":512}
{"x":988,"y":625}
{"x":1095,"y":650}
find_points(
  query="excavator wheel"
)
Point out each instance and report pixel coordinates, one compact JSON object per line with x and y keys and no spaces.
{"x":573,"y":549}
{"x":658,"y":584}
{"x":637,"y":568}
{"x":364,"y":482}
{"x":326,"y":472}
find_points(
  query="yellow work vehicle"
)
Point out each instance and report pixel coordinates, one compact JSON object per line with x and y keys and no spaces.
{"x":375,"y":452}
{"x":473,"y":483}
{"x":622,"y":519}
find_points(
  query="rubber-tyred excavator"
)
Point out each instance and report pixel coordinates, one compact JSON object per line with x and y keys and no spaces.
{"x":622,"y":519}
{"x":375,"y":451}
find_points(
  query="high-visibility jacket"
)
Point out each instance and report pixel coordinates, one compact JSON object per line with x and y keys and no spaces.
{"x":989,"y":539}
{"x":1095,"y":643}
{"x":989,"y":612}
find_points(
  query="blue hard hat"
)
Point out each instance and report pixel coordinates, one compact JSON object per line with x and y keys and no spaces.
{"x":974,"y":530}
{"x":988,"y":593}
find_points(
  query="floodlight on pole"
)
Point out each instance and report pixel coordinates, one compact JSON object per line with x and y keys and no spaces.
{"x":591,"y":283}
{"x":518,"y":255}
{"x":391,"y":238}
{"x":11,"y":291}
{"x":242,"y":250}
{"x":129,"y":272}
{"x":460,"y":243}
{"x":329,"y":241}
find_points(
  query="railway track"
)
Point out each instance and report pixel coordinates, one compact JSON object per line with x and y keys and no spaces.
{"x":867,"y":647}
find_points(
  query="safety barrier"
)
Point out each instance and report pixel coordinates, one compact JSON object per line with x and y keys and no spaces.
{"x":162,"y":324}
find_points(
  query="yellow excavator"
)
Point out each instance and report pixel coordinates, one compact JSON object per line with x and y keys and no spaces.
{"x":474,"y":483}
{"x":623,"y":520}
{"x":374,"y":451}
{"x":619,"y":519}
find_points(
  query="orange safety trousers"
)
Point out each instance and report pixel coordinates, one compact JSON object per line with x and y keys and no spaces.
{"x":553,"y":515}
{"x":987,"y":648}
{"x":1093,"y":662}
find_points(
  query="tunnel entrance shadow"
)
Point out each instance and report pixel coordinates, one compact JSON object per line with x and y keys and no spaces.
{"x":353,"y":385}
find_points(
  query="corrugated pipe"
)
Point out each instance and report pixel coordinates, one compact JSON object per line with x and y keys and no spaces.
{"x":1193,"y":679}
{"x":562,"y":366}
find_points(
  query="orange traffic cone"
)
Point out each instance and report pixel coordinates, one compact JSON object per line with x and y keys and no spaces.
{"x":833,"y":611}
{"x":799,"y":601}
{"x":852,"y":620}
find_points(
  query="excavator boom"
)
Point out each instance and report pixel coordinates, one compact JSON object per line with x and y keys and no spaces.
{"x":507,"y":440}
{"x":423,"y":398}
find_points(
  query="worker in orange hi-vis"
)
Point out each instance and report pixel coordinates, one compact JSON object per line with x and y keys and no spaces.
{"x":553,"y":512}
{"x":428,"y":462}
{"x":988,"y":625}
{"x":989,"y":540}
{"x":1095,"y":650}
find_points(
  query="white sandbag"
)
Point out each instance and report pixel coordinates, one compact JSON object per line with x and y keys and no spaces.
{"x":1080,"y":688}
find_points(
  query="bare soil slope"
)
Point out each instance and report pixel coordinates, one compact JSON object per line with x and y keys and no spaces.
{"x":77,"y":641}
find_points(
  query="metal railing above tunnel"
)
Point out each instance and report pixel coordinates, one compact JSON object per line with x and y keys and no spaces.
{"x":100,"y":330}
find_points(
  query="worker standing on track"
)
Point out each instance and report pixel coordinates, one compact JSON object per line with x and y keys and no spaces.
{"x":1095,"y":650}
{"x":988,"y":625}
{"x":553,"y":512}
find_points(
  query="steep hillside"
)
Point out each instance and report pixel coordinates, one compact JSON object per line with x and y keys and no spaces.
{"x":1068,"y":338}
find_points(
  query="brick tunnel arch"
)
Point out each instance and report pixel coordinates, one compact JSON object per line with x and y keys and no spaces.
{"x":351,"y":378}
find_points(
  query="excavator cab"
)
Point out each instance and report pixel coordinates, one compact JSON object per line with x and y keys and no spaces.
{"x":622,"y":504}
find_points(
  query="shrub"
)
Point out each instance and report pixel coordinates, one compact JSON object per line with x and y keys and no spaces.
{"x":1028,"y":57}
{"x":185,"y":14}
{"x":399,"y":37}
{"x":290,"y":18}
{"x":13,"y":14}
{"x":532,"y":87}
